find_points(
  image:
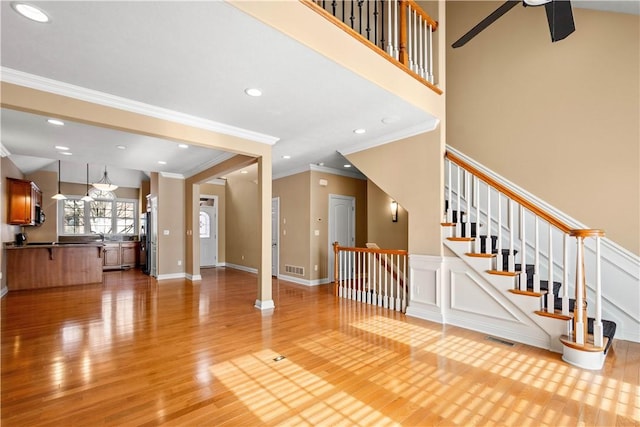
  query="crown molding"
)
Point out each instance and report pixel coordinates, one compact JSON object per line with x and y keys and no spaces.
{"x":89,"y":95}
{"x":171,"y":175}
{"x":423,"y":127}
{"x":3,"y":151}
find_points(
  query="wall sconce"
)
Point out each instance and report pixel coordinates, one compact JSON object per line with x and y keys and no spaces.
{"x":394,"y":211}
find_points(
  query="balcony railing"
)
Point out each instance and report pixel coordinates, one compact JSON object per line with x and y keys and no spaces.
{"x":398,"y":29}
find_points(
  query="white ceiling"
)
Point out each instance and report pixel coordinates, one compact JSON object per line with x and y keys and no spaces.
{"x":193,"y":60}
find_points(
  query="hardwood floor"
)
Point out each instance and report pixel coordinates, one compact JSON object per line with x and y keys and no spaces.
{"x":135,"y":352}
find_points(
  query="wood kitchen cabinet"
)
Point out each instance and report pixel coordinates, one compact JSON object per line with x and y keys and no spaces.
{"x":111,"y":256}
{"x":129,"y":254}
{"x":24,"y":202}
{"x":117,"y":255}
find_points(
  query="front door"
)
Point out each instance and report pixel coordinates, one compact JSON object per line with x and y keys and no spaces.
{"x":208,"y":234}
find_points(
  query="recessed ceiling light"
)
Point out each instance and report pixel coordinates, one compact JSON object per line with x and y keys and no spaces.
{"x":183,"y":146}
{"x":30,"y":12}
{"x":359,"y":131}
{"x":286,"y":156}
{"x":61,"y":147}
{"x":66,"y":153}
{"x":121,"y":147}
{"x":347,"y":166}
{"x":390,"y":119}
{"x":162,"y":162}
{"x":244,"y":172}
{"x":55,"y":122}
{"x":252,"y":91}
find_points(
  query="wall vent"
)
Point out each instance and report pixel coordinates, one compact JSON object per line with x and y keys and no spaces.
{"x":292,"y":269}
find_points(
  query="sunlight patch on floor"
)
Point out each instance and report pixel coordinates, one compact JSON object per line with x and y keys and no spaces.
{"x":273,"y":390}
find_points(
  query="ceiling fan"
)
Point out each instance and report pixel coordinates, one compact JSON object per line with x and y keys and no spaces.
{"x":559,"y":17}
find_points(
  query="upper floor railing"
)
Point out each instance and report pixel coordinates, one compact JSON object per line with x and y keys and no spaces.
{"x":398,"y":29}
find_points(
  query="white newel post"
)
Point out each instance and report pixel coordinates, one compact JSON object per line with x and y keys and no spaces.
{"x":499,"y":258}
{"x":512,"y":256}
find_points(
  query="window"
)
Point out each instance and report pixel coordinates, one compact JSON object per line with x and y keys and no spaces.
{"x":104,"y":215}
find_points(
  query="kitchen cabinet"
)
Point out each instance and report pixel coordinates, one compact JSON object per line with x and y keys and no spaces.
{"x":24,"y":202}
{"x":129,"y":254}
{"x":111,"y":256}
{"x":118,"y":255}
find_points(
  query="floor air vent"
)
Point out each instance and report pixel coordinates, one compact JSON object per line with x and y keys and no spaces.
{"x":292,"y":269}
{"x":500,"y":341}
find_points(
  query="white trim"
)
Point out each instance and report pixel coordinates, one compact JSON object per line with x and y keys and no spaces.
{"x":194,"y":277}
{"x":217,"y":181}
{"x":423,"y":127}
{"x":3,"y":151}
{"x":171,"y":276}
{"x":264,"y":305}
{"x":324,"y":169}
{"x":304,"y":282}
{"x":172,"y":175}
{"x":4,"y":291}
{"x":242,"y":268}
{"x":64,"y":89}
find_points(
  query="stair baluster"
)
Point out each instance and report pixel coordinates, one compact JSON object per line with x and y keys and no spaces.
{"x":512,"y":256}
{"x":588,"y":335}
{"x":565,"y":276}
{"x":536,"y":256}
{"x":523,"y":251}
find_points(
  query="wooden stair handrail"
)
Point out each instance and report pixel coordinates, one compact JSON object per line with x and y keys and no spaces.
{"x":521,"y":200}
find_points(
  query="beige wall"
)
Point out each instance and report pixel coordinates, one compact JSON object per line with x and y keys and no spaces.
{"x":319,"y":216}
{"x":561,"y":120}
{"x":380,"y":228}
{"x":409,"y":170}
{"x":242,"y":216}
{"x":295,"y":238}
{"x":171,"y":218}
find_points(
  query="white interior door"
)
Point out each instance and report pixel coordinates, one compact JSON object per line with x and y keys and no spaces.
{"x":153,"y":250}
{"x":342,"y":225}
{"x":208,"y":225}
{"x":275,"y":234}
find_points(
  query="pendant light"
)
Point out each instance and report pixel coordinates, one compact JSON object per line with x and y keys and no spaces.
{"x":105,"y":184}
{"x":59,"y":195}
{"x":87,"y":197}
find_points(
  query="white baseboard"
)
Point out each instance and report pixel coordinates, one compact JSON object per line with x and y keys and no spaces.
{"x":194,"y":277}
{"x":264,"y":305}
{"x":242,"y":268}
{"x":4,"y":291}
{"x":170,"y":276}
{"x":299,"y":281}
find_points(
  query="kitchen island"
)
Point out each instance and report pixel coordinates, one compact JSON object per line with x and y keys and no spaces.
{"x":47,"y":265}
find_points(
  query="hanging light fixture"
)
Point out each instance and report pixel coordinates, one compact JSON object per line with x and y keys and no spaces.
{"x":87,"y":197}
{"x":59,"y":195}
{"x":105,"y":184}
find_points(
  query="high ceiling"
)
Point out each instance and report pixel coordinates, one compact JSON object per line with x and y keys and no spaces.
{"x":190,"y":60}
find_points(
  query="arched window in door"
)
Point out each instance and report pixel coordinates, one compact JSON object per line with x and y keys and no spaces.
{"x":205,"y":225}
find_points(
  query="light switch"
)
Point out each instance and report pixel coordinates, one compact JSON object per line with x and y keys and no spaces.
{"x":165,"y":232}
{"x":316,"y":232}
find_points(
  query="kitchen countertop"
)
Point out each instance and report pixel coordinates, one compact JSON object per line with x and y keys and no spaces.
{"x":53,"y":245}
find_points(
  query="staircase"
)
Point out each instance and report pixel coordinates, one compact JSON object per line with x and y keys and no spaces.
{"x":526,"y":254}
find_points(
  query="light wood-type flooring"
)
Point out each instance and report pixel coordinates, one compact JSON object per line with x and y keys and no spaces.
{"x":133,"y":351}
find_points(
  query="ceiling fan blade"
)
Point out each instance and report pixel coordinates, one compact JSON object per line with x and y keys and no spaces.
{"x":560,"y":19}
{"x":504,"y":8}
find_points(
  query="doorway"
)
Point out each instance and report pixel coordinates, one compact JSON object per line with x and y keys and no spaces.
{"x":275,"y":235}
{"x":208,"y":228}
{"x":342,"y":221}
